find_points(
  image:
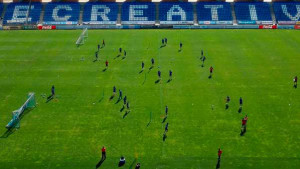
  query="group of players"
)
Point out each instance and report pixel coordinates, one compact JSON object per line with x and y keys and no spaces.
{"x":202,"y":58}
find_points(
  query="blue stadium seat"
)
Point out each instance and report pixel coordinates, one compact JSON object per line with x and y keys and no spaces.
{"x":176,"y":13}
{"x":214,"y":13}
{"x":138,"y":13}
{"x":100,"y":13}
{"x":62,"y":13}
{"x":287,"y":12}
{"x":253,"y":13}
{"x":1,"y":8}
{"x":16,"y":13}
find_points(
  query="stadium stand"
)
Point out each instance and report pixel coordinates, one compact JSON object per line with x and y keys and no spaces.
{"x":138,"y":13}
{"x":287,"y":12}
{"x":253,"y":13}
{"x":100,"y":13}
{"x":214,"y":13}
{"x":176,"y":13}
{"x":62,"y":13}
{"x":16,"y":13}
{"x":1,"y":10}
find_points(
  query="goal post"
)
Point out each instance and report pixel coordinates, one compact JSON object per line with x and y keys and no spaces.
{"x":81,"y":39}
{"x":15,"y":121}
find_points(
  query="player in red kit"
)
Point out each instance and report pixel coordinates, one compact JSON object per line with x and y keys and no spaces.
{"x":211,"y":69}
{"x":103,"y":153}
{"x":219,"y":158}
{"x":219,"y":153}
{"x":244,"y":125}
{"x":103,"y":150}
{"x":295,"y":81}
{"x":106,"y":64}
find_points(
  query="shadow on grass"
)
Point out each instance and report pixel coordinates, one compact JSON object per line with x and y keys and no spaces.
{"x":104,"y":70}
{"x":122,"y":108}
{"x":49,"y":98}
{"x":164,"y":120}
{"x":117,"y":56}
{"x":118,"y":100}
{"x":210,"y":76}
{"x":100,"y":100}
{"x":132,"y":164}
{"x":169,"y":80}
{"x":100,"y":163}
{"x":8,"y":132}
{"x":218,"y":163}
{"x":141,"y":71}
{"x":149,"y":123}
{"x":111,"y":97}
{"x":126,"y":113}
{"x":157,"y":81}
{"x":11,"y":130}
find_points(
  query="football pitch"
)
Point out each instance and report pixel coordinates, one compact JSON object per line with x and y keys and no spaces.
{"x":69,"y":131}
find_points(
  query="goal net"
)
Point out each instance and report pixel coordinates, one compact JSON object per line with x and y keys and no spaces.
{"x":82,"y":37}
{"x":15,"y":121}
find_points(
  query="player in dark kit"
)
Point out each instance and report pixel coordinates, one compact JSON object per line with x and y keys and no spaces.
{"x":120,"y":94}
{"x":166,"y":111}
{"x":98,"y":47}
{"x":143,"y":65}
{"x":166,"y":116}
{"x":125,"y":53}
{"x":203,"y":58}
{"x":201,"y":52}
{"x":227,"y":102}
{"x":159,"y":74}
{"x":103,"y":43}
{"x":125,"y":99}
{"x":138,"y":165}
{"x":152,"y":61}
{"x":241,"y":102}
{"x":52,"y":91}
{"x":114,"y":90}
{"x":180,"y":46}
{"x":295,"y":81}
{"x":241,"y":105}
{"x":166,"y":41}
{"x":96,"y":55}
{"x":120,"y":50}
{"x":127,"y":105}
{"x":162,"y":42}
{"x":170,"y":74}
{"x":167,"y":127}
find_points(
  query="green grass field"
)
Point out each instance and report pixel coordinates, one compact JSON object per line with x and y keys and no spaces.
{"x":69,"y":131}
